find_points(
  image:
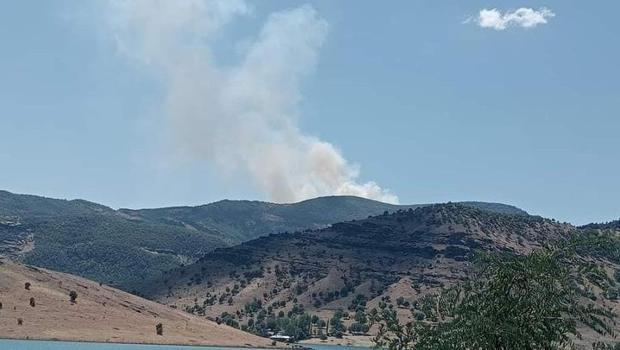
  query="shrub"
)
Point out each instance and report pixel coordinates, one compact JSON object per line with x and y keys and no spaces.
{"x":358,"y":328}
{"x":73,"y":295}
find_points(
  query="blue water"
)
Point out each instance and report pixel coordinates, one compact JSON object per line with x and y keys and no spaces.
{"x":6,"y":344}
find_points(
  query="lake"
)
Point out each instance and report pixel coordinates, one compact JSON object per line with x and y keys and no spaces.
{"x":6,"y":344}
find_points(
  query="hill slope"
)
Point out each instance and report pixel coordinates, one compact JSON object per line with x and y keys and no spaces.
{"x":127,"y":247}
{"x":94,"y":241}
{"x":353,"y":267}
{"x":240,"y":221}
{"x":101,"y":313}
{"x":407,"y":253}
{"x":611,"y":225}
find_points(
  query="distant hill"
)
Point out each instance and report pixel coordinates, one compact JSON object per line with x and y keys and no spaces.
{"x":94,"y":241}
{"x":101,"y":313}
{"x":239,"y":221}
{"x":127,"y":247}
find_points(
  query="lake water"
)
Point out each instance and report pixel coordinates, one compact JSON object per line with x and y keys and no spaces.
{"x":6,"y":344}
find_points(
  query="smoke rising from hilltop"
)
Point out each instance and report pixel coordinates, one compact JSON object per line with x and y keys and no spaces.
{"x":239,"y":117}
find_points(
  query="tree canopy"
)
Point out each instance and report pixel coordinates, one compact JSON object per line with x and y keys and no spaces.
{"x":511,"y":302}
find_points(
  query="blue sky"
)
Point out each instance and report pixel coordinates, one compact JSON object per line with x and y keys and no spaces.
{"x":429,"y":107}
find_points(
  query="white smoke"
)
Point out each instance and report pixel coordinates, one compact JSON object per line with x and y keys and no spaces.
{"x":241,"y":116}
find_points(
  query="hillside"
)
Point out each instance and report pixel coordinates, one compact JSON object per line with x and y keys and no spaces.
{"x":349,"y":265}
{"x":94,"y":241}
{"x":101,"y":313}
{"x":611,"y":225}
{"x":239,"y":221}
{"x":127,"y":247}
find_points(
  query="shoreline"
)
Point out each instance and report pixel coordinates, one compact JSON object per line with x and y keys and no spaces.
{"x":245,"y":346}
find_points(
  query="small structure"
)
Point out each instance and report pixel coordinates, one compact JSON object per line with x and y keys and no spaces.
{"x":281,"y":337}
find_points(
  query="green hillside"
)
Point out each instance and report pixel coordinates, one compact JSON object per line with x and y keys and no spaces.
{"x":94,"y":241}
{"x":611,"y":225}
{"x":126,"y":247}
{"x":239,"y":221}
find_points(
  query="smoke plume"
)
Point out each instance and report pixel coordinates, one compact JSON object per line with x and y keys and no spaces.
{"x":241,"y":116}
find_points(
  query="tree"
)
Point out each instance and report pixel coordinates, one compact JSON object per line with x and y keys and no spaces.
{"x":336,"y":327}
{"x":512,"y":302}
{"x":358,"y":328}
{"x":360,"y":317}
{"x":73,"y":296}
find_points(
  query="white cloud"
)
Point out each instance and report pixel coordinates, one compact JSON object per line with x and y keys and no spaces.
{"x":523,"y":17}
{"x":239,"y":117}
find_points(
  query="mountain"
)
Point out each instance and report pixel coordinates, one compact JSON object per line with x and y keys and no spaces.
{"x":101,"y":313}
{"x":94,"y":241}
{"x":240,"y":221}
{"x":127,"y":247}
{"x":349,"y":268}
{"x":405,"y":254}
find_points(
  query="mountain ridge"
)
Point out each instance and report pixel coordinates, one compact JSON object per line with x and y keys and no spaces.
{"x":126,"y":247}
{"x":267,"y":217}
{"x":402,"y":241}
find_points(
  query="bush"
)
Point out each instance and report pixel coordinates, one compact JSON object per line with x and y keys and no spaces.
{"x":73,"y":296}
{"x":358,"y":328}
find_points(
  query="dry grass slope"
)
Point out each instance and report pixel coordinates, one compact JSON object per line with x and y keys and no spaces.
{"x":101,"y":313}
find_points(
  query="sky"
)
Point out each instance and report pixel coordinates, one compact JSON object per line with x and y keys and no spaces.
{"x":145,"y":104}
